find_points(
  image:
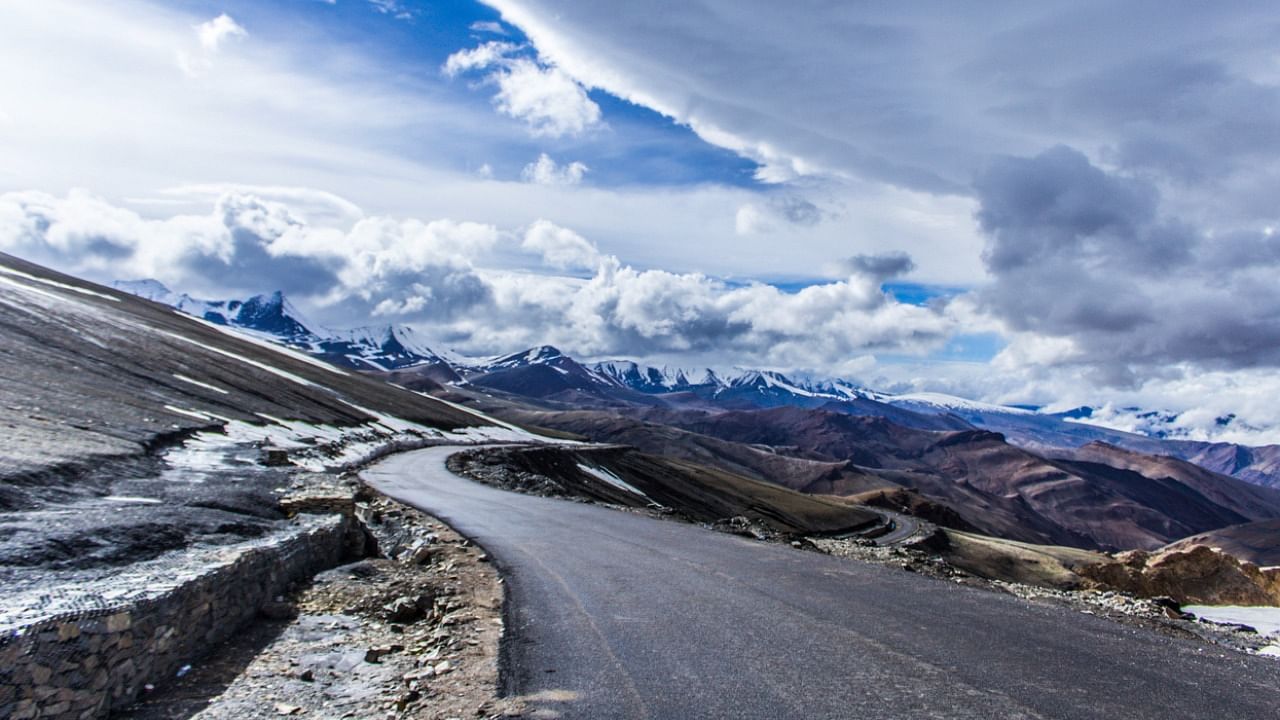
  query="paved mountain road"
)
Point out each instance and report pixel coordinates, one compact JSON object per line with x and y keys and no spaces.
{"x":614,"y":615}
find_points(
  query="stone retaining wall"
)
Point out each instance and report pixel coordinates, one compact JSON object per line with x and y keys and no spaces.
{"x":85,"y":665}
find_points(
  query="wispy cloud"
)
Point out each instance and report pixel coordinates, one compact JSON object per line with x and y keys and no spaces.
{"x":488,"y":26}
{"x":211,"y":36}
{"x":394,"y":8}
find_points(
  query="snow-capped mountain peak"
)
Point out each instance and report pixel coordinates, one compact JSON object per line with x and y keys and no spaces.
{"x":653,"y":380}
{"x":391,"y":340}
{"x":271,"y":313}
{"x":541,"y":355}
{"x":273,"y":317}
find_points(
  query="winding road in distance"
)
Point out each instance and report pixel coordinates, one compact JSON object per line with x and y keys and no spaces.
{"x":615,"y":615}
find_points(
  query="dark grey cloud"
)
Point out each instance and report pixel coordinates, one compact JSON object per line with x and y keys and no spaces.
{"x":923,"y":95}
{"x":1059,"y":207}
{"x":1138,"y":234}
{"x":249,"y":265}
{"x":1081,"y":253}
{"x":798,"y":211}
{"x":881,"y":267}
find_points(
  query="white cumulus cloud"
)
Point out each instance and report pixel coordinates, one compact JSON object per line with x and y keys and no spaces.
{"x":560,"y":247}
{"x":546,"y":98}
{"x":545,"y":171}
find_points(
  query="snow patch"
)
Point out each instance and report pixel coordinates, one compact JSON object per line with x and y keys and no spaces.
{"x":612,"y":479}
{"x":950,"y":402}
{"x":54,"y":283}
{"x":132,"y":499}
{"x":261,"y":366}
{"x":189,"y":413}
{"x":1266,"y":620}
{"x":197,"y":383}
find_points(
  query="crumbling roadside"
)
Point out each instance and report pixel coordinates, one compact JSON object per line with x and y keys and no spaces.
{"x":413,"y":631}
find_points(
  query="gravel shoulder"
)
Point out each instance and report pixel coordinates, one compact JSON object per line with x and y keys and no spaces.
{"x":414,"y":634}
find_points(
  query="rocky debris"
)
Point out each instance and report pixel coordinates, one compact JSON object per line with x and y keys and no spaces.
{"x":744,"y":527}
{"x":275,"y":457}
{"x":1195,"y":575}
{"x":407,"y":609}
{"x":493,"y":469}
{"x":381,"y":637}
{"x":906,"y":558}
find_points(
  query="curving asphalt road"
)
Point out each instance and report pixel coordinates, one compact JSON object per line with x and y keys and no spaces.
{"x":901,"y":528}
{"x":614,"y":615}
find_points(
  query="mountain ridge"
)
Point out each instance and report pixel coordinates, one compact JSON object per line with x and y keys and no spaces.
{"x":549,"y":375}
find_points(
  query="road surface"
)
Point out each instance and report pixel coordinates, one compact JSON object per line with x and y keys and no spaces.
{"x":615,"y":615}
{"x":901,"y":528}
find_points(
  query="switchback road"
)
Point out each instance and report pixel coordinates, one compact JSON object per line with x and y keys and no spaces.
{"x":614,"y":615}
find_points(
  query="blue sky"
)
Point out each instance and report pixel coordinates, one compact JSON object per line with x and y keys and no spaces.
{"x":634,"y":145}
{"x":928,"y":197}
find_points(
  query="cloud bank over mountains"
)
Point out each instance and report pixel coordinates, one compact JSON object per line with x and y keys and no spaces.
{"x":445,"y":276}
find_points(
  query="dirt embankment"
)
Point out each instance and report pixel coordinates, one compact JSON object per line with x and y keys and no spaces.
{"x":1196,"y":575}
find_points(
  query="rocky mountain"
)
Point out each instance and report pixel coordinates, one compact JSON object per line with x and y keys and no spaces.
{"x":1258,"y":465}
{"x":1004,"y":489}
{"x":1247,"y":499}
